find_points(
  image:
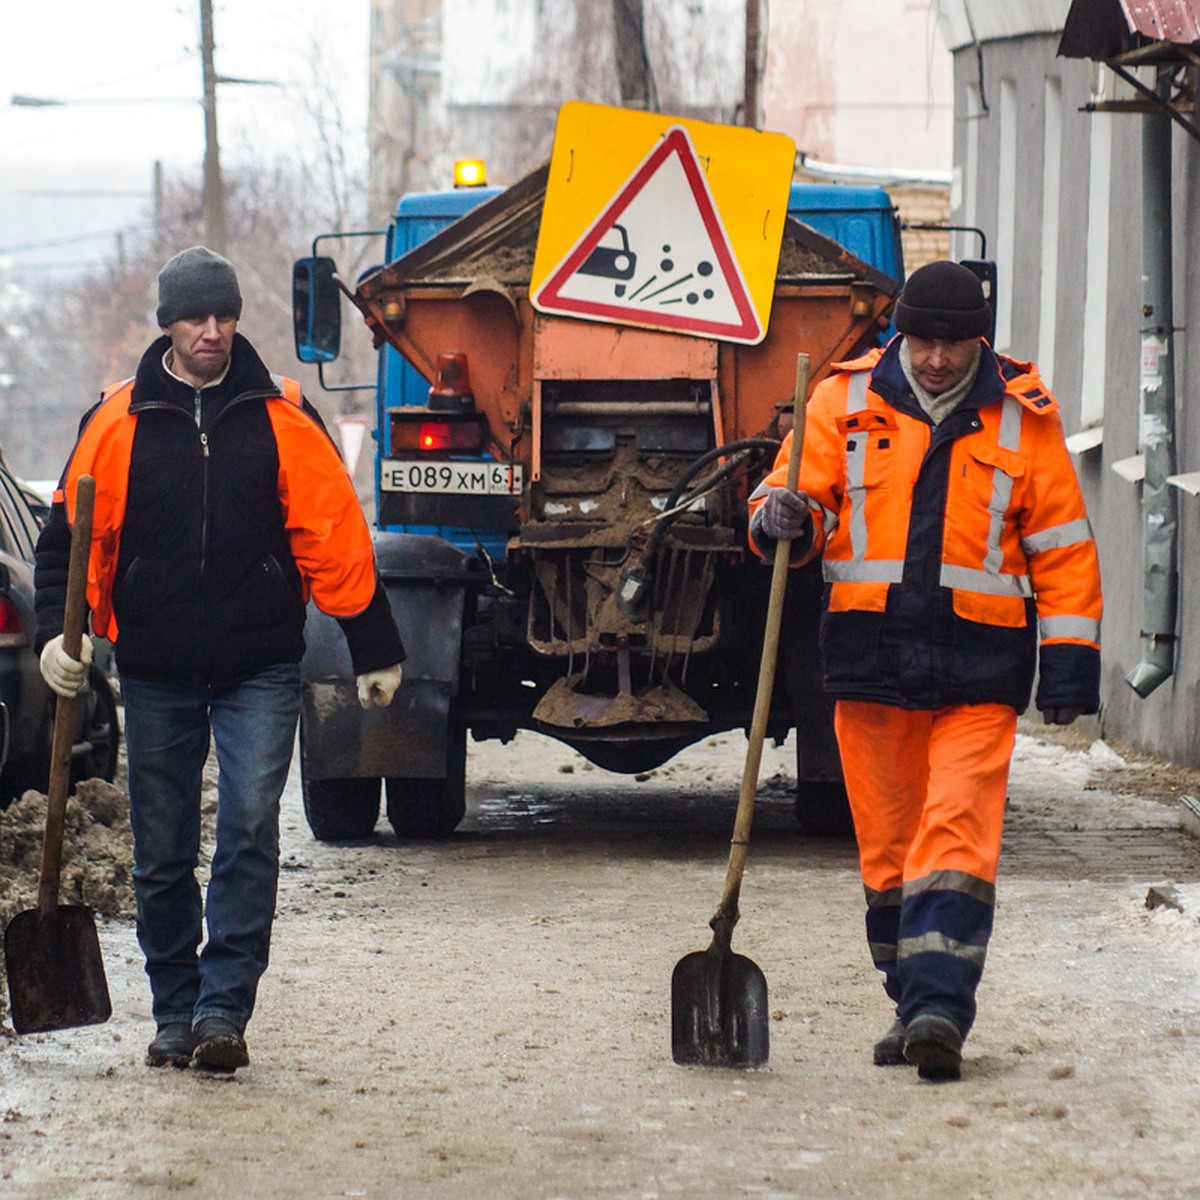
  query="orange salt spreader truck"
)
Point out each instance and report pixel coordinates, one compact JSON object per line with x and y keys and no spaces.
{"x":561,"y":506}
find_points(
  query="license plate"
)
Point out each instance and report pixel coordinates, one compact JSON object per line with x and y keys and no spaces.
{"x":451,"y":478}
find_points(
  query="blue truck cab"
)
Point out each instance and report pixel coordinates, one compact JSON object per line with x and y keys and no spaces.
{"x":419,"y":215}
{"x":863,"y":219}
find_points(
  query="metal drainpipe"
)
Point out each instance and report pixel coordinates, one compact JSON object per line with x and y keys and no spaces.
{"x":1159,"y":518}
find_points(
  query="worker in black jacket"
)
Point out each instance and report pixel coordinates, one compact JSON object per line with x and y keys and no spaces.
{"x":221,"y":508}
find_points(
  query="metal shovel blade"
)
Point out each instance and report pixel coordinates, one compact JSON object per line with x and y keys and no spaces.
{"x":55,"y":970}
{"x":719,"y":1011}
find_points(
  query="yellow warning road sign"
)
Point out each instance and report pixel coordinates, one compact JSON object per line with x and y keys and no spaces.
{"x":662,"y":222}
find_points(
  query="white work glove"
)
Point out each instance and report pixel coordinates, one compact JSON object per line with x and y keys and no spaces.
{"x":784,"y":514}
{"x":378,"y":687}
{"x":65,"y":675}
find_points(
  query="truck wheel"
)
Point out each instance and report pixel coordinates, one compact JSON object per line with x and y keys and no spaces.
{"x":431,"y":808}
{"x":823,"y":809}
{"x":340,"y":810}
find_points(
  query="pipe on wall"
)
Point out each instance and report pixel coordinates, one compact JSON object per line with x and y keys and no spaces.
{"x":1160,"y":585}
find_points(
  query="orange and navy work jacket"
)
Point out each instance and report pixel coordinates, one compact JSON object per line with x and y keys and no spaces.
{"x":949,"y":552}
{"x":219,"y":512}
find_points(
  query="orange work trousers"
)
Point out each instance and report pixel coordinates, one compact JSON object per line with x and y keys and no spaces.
{"x":927,"y":793}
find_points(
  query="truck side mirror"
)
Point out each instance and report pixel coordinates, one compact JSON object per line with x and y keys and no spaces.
{"x":316,"y":310}
{"x":985,"y":270}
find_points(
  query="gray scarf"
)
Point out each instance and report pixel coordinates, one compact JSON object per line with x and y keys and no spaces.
{"x":938,"y":408}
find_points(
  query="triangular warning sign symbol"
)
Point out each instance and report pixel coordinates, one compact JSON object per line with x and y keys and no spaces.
{"x":657,"y":256}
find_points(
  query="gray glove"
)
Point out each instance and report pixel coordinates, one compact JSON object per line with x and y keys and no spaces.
{"x":378,"y":687}
{"x":65,"y":675}
{"x":784,"y":514}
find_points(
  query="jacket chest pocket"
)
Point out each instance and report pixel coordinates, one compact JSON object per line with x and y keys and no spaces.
{"x":872,"y":449}
{"x":989,"y":474}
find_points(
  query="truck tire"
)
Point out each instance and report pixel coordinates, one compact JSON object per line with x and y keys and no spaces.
{"x":431,"y":808}
{"x":340,"y":810}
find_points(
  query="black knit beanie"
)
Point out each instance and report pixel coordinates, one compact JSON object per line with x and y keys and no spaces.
{"x":196,"y":283}
{"x":943,"y":300}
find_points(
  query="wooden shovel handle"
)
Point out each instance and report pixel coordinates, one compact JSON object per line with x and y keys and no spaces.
{"x":727,"y":912}
{"x":64,"y":712}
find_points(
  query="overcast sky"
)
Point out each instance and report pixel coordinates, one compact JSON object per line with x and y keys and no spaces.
{"x":75,"y":171}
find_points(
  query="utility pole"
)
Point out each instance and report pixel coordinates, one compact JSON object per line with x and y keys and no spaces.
{"x":750,"y":95}
{"x":214,"y":191}
{"x":633,"y":64}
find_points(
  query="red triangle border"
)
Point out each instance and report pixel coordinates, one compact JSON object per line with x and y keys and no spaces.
{"x":675,"y":141}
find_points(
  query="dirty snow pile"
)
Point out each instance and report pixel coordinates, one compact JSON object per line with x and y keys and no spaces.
{"x":97,"y":855}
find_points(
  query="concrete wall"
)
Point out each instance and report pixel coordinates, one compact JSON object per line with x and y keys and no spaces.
{"x":1058,"y":193}
{"x":864,"y":83}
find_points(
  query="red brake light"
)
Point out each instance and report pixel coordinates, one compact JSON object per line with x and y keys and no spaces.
{"x":433,"y":435}
{"x":417,"y":432}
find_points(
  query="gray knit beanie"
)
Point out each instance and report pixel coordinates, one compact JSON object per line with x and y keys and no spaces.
{"x":196,"y":283}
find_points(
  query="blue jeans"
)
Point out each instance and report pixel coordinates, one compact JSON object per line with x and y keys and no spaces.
{"x":167,"y":728}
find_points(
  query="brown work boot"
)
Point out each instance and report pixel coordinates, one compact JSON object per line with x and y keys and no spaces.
{"x":933,"y":1044}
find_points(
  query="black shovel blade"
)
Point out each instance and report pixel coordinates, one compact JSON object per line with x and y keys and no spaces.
{"x":55,"y":971}
{"x":719,"y":1011}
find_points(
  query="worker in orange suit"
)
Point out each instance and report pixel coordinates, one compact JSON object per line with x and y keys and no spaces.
{"x":959,"y":561}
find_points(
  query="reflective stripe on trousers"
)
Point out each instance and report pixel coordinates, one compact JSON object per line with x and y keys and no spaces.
{"x":927,"y":791}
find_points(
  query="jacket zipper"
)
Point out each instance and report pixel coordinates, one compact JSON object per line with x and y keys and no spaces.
{"x":255,"y":394}
{"x":203,"y":486}
{"x":240,"y":398}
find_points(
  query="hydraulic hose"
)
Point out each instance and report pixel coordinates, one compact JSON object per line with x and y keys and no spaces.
{"x":635,"y":579}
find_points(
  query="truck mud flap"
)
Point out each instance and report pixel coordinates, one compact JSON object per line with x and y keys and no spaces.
{"x":408,"y":738}
{"x":427,"y":580}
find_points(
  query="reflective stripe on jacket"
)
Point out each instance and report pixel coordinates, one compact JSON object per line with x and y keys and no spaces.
{"x":948,"y":550}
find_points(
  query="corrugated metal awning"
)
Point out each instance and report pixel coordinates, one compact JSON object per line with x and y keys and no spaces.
{"x":1158,"y":30}
{"x":1164,"y":20}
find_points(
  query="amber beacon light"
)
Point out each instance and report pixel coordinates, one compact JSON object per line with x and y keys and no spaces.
{"x":470,"y":172}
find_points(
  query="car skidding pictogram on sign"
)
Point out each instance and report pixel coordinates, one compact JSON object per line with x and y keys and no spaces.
{"x":660,"y":252}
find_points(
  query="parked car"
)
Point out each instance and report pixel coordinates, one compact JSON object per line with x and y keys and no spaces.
{"x":26,"y":703}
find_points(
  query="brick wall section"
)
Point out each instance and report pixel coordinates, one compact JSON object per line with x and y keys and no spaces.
{"x":923,"y":206}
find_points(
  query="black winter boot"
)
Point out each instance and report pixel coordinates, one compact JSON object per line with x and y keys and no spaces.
{"x":889,"y":1050}
{"x":172,"y":1046}
{"x":220,"y":1046}
{"x":933,"y":1044}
